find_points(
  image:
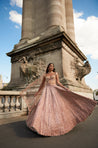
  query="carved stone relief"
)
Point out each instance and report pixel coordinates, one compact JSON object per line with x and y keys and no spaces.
{"x":81,"y":70}
{"x":31,"y":68}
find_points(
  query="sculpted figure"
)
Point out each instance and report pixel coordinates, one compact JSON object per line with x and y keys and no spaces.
{"x":81,"y":71}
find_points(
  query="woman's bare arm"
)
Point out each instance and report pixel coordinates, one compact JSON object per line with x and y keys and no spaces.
{"x":41,"y":85}
{"x":58,"y":82}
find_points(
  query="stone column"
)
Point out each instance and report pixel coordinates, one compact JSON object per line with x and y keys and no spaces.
{"x":69,"y":19}
{"x":63,"y":14}
{"x":27,"y":20}
{"x":54,"y":15}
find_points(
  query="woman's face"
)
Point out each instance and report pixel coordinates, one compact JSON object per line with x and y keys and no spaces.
{"x":51,"y":67}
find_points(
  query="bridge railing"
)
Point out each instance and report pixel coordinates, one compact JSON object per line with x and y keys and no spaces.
{"x":12,"y":104}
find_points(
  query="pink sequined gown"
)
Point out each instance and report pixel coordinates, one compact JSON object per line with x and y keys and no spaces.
{"x":58,"y":110}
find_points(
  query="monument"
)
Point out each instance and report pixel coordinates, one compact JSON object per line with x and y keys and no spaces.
{"x":48,"y":36}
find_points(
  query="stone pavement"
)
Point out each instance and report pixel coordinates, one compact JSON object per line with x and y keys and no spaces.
{"x":15,"y":134}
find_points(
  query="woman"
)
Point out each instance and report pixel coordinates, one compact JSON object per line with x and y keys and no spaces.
{"x":57,"y":109}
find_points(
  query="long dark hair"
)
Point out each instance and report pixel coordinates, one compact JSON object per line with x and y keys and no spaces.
{"x":48,"y":67}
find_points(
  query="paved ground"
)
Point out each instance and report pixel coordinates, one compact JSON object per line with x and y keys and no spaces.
{"x":17,"y":135}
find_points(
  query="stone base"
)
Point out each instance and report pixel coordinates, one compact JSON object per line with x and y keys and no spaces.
{"x":76,"y":86}
{"x":15,"y":86}
{"x":12,"y":114}
{"x":51,"y":46}
{"x":88,"y":95}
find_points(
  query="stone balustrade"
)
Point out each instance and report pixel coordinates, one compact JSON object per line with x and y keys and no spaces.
{"x":12,"y":104}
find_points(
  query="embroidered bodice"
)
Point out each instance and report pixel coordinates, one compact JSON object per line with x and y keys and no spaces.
{"x":51,"y":79}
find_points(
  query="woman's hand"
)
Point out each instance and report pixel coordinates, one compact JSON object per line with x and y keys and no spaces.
{"x":67,"y":89}
{"x":60,"y":84}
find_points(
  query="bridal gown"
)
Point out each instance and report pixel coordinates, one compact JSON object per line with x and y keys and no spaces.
{"x":58,"y":110}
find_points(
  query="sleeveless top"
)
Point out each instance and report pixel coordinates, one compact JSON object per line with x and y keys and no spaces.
{"x":51,"y":79}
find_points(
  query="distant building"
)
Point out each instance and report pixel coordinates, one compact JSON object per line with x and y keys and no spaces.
{"x":1,"y":83}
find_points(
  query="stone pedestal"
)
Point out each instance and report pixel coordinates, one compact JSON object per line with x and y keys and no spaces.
{"x":53,"y":46}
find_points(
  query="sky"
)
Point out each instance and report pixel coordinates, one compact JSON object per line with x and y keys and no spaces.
{"x":86,"y":34}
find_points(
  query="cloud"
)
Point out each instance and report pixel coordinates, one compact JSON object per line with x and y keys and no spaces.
{"x":16,"y":26}
{"x":15,"y":17}
{"x":96,"y":77}
{"x":86,"y":33}
{"x":16,"y":2}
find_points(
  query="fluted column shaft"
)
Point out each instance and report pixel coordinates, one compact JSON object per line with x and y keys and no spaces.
{"x":63,"y":14}
{"x":54,"y":12}
{"x":27,"y":19}
{"x":69,"y":19}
